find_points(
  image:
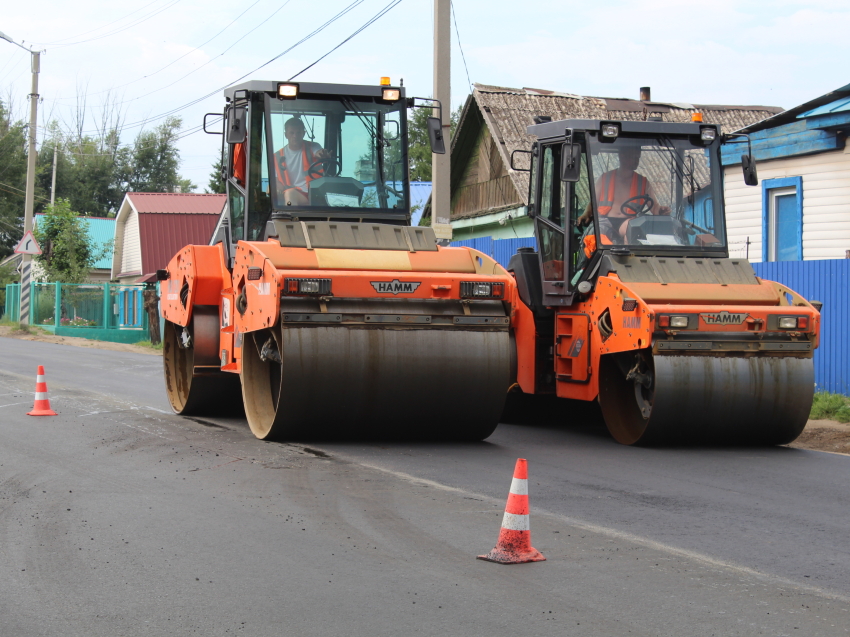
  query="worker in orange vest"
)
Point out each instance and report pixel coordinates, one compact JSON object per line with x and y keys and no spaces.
{"x":292,"y":164}
{"x":614,"y":188}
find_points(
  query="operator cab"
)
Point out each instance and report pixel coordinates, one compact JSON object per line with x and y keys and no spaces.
{"x":622,"y":188}
{"x":315,"y":152}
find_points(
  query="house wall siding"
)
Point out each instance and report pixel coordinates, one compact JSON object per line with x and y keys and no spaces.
{"x":486,"y":184}
{"x":826,"y":204}
{"x":131,"y":255}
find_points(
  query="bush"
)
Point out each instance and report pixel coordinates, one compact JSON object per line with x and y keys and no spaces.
{"x":829,"y":406}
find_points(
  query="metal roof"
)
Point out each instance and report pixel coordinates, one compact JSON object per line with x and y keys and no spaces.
{"x":162,"y":236}
{"x":822,"y":105}
{"x":177,"y":203}
{"x":102,"y":232}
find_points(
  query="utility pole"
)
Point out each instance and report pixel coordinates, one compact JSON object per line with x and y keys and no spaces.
{"x":53,"y":180}
{"x":26,"y":261}
{"x":441,"y":164}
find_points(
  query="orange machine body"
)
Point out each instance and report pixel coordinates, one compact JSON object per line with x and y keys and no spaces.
{"x":632,"y":313}
{"x":197,"y":275}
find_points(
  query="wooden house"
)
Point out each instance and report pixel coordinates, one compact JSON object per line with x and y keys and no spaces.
{"x":801,"y":207}
{"x":488,"y":197}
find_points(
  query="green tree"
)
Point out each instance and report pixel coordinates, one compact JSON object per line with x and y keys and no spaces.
{"x":418,"y":146}
{"x":68,"y":251}
{"x":13,"y":178}
{"x":155,"y":160}
{"x":216,"y":184}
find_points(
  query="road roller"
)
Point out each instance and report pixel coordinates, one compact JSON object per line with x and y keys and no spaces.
{"x":631,"y":298}
{"x":317,"y":308}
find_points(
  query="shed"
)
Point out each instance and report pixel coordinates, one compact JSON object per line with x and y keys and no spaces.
{"x":488,"y":197}
{"x":801,"y":207}
{"x":151,"y":227}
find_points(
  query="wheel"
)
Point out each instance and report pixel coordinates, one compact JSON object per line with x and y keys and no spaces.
{"x":261,"y":384}
{"x":194,"y":383}
{"x":398,"y":383}
{"x":735,"y":400}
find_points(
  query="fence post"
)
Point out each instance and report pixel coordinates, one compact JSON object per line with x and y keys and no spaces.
{"x":57,"y":310}
{"x":32,"y":305}
{"x":106,"y":309}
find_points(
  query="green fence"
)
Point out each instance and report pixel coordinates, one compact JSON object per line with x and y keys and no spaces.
{"x":100,"y":311}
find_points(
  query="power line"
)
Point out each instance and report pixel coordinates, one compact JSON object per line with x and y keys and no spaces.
{"x":144,"y":77}
{"x":162,"y":88}
{"x":460,"y":46}
{"x":211,"y":93}
{"x":374,"y":19}
{"x":154,"y":13}
{"x":79,"y":35}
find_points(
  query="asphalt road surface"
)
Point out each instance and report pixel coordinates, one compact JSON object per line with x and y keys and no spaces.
{"x":119,"y":518}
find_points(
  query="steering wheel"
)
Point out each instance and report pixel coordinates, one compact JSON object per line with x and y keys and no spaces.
{"x":638,"y":206}
{"x":328,"y":165}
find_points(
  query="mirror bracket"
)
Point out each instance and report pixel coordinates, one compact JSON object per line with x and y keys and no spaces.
{"x":570,"y":158}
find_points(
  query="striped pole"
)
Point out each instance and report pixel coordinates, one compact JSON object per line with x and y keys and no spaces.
{"x":42,"y":402}
{"x":514,"y":544}
{"x":26,"y":266}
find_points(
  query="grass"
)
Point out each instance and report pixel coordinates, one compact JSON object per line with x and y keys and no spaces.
{"x":149,"y":345}
{"x":23,"y":327}
{"x":829,"y":406}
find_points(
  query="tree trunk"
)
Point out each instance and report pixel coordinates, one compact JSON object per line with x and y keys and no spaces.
{"x":152,"y":308}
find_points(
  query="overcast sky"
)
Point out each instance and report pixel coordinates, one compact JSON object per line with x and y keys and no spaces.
{"x":150,"y":57}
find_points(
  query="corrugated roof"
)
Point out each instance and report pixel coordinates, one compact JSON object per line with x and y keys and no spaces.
{"x":162,"y":236}
{"x":509,"y":111}
{"x":177,"y":203}
{"x":102,"y":232}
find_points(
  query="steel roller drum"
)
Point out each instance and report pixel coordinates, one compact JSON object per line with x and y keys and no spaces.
{"x":447,"y":383}
{"x":725,"y":400}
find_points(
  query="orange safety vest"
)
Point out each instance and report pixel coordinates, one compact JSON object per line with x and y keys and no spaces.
{"x":283,"y":173}
{"x":607,"y":186}
{"x":239,"y":163}
{"x":590,"y":244}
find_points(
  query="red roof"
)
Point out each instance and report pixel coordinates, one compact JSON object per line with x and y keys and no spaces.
{"x":177,"y":203}
{"x":162,"y":236}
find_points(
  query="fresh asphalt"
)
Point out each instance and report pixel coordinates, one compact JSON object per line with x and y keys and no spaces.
{"x":120,"y":518}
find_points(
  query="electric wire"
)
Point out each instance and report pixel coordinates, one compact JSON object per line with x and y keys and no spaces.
{"x":153,"y":14}
{"x":174,"y":61}
{"x":375,"y":18}
{"x":210,"y":61}
{"x":217,"y":90}
{"x":459,"y":45}
{"x":84,"y":33}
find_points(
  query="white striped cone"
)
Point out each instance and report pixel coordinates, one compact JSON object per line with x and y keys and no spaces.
{"x":514,"y":544}
{"x":42,"y":402}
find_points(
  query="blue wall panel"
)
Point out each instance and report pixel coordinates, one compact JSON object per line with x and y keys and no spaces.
{"x":825,"y":281}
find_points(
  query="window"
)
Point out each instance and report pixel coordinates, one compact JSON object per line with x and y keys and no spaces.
{"x":782,"y":224}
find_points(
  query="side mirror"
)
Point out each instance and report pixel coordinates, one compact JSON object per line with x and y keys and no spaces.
{"x":570,"y":162}
{"x":748,"y":164}
{"x":236,"y":129}
{"x":435,"y":136}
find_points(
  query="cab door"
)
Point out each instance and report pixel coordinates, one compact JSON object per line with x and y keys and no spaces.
{"x":550,"y":227}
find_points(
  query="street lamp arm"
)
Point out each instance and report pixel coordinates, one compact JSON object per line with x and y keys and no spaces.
{"x":3,"y":36}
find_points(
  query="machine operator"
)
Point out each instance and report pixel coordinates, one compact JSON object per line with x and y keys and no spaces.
{"x":616,"y":188}
{"x":293,"y":164}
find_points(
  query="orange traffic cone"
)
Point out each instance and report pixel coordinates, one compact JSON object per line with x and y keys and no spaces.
{"x":514,"y":545}
{"x":42,"y":402}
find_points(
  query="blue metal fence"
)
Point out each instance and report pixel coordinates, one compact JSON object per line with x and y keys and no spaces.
{"x":825,"y":281}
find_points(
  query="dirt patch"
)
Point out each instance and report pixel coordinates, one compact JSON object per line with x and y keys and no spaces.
{"x":824,"y":435}
{"x":11,"y":332}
